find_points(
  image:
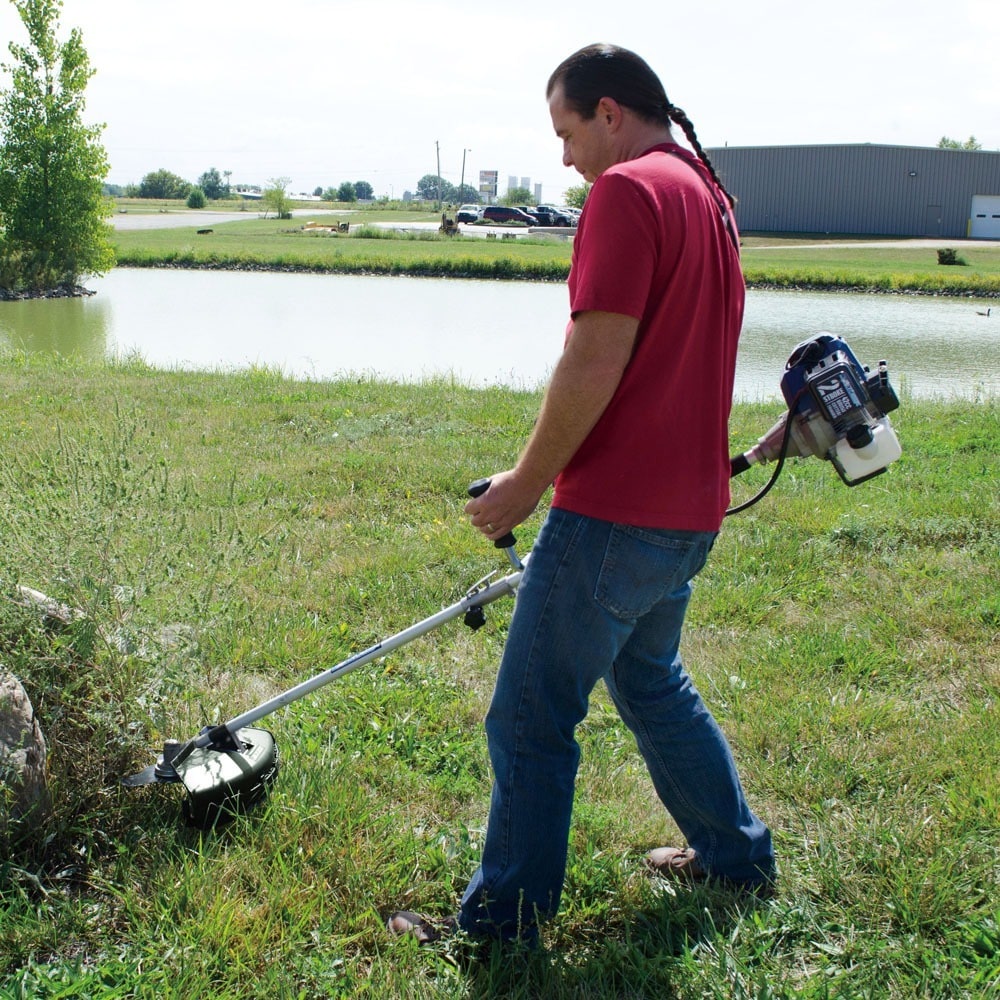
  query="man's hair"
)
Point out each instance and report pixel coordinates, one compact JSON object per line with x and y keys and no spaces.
{"x":603,"y":70}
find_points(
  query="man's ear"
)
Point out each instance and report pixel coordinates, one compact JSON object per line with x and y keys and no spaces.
{"x":610,"y":112}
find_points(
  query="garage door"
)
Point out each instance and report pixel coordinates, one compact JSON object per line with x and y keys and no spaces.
{"x":985,"y":222}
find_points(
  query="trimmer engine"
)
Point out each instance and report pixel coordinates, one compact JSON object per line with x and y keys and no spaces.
{"x":837,"y":410}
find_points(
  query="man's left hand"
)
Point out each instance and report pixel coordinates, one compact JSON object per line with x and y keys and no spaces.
{"x":507,"y":503}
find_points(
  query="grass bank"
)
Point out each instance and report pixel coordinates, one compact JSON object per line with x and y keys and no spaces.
{"x":769,"y":261}
{"x":263,"y":244}
{"x":230,"y":534}
{"x":858,"y":266}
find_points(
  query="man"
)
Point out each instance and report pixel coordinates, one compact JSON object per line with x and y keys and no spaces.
{"x":633,"y":430}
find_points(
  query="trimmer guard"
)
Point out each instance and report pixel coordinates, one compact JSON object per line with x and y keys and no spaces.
{"x":221,"y":783}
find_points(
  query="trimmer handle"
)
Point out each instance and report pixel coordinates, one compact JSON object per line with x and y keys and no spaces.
{"x":477,"y":489}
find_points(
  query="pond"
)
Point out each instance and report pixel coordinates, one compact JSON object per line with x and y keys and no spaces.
{"x":478,"y":332}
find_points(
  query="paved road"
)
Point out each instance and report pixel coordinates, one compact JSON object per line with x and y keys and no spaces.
{"x":205,"y":218}
{"x":202,"y":218}
{"x":915,"y":244}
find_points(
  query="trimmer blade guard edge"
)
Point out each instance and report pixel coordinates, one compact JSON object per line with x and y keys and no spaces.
{"x":223,"y":783}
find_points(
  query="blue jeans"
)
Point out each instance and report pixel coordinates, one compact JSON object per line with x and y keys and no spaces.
{"x":601,"y":601}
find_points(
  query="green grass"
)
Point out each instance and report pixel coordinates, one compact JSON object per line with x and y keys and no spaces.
{"x":804,"y":263}
{"x":768,"y":261}
{"x":846,"y":639}
{"x":270,"y":243}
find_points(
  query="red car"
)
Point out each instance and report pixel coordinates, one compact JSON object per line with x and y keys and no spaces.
{"x":501,"y":213}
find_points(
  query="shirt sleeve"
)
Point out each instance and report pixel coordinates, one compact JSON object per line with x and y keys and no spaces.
{"x":616,"y":250}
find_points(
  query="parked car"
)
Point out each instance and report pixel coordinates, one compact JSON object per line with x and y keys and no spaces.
{"x":501,"y":213}
{"x":549,"y":216}
{"x":468,"y":213}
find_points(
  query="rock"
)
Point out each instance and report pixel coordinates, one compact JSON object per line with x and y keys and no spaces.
{"x":23,"y":787}
{"x":54,"y":614}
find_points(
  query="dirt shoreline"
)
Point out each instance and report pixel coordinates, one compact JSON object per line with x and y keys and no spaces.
{"x":62,"y":292}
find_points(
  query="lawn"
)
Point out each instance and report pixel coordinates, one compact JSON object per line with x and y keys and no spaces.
{"x":228,"y":534}
{"x":280,"y":244}
{"x":768,"y":261}
{"x":860,"y":265}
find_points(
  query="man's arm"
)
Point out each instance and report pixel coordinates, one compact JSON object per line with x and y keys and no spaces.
{"x":582,"y":384}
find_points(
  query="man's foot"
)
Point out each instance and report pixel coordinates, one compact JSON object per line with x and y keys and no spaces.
{"x":679,"y":864}
{"x":683,"y":865}
{"x":425,"y":930}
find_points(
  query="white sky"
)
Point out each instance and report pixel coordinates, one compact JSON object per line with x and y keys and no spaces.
{"x":322,"y":92}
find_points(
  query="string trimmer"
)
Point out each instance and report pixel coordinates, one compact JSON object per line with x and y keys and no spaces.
{"x":836,"y":411}
{"x":227,"y":768}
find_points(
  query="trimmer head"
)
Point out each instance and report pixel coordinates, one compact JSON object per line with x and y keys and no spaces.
{"x":220,"y":780}
{"x":227,"y":768}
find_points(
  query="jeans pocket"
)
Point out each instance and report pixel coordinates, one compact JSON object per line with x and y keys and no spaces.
{"x":642,"y":566}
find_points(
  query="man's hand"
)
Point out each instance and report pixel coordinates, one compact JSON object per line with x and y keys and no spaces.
{"x":509,"y":501}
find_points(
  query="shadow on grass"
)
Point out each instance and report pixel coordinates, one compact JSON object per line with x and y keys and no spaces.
{"x":647,"y":953}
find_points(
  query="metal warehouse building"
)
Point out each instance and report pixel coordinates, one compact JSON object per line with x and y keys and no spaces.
{"x":864,"y":189}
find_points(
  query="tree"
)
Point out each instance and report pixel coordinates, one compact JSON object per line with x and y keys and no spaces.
{"x":163,"y":184}
{"x":364,"y":191}
{"x":516,"y":196}
{"x":945,"y":143}
{"x":53,"y":214}
{"x":466,"y":194}
{"x":430,"y":187}
{"x":577,"y":195}
{"x":212,"y":184}
{"x":275,"y":198}
{"x":346,"y":192}
{"x":196,"y":198}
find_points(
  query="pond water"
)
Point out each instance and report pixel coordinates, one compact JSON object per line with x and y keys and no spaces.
{"x":478,"y":332}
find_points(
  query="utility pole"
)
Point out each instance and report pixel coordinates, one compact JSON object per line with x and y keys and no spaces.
{"x":437,"y":146}
{"x":462,"y":182}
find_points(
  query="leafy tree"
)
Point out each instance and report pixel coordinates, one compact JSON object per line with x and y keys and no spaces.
{"x":945,"y":143}
{"x":346,"y":192}
{"x":317,"y":192}
{"x":212,"y":184}
{"x":275,"y":197}
{"x":53,"y":214}
{"x":163,"y":184}
{"x":575,"y":196}
{"x":516,"y":196}
{"x":430,"y":187}
{"x":466,"y":194}
{"x":364,"y":190}
{"x":196,"y":198}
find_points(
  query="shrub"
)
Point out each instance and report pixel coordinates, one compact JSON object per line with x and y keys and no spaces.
{"x":163,"y":184}
{"x":948,"y":256}
{"x":196,"y":199}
